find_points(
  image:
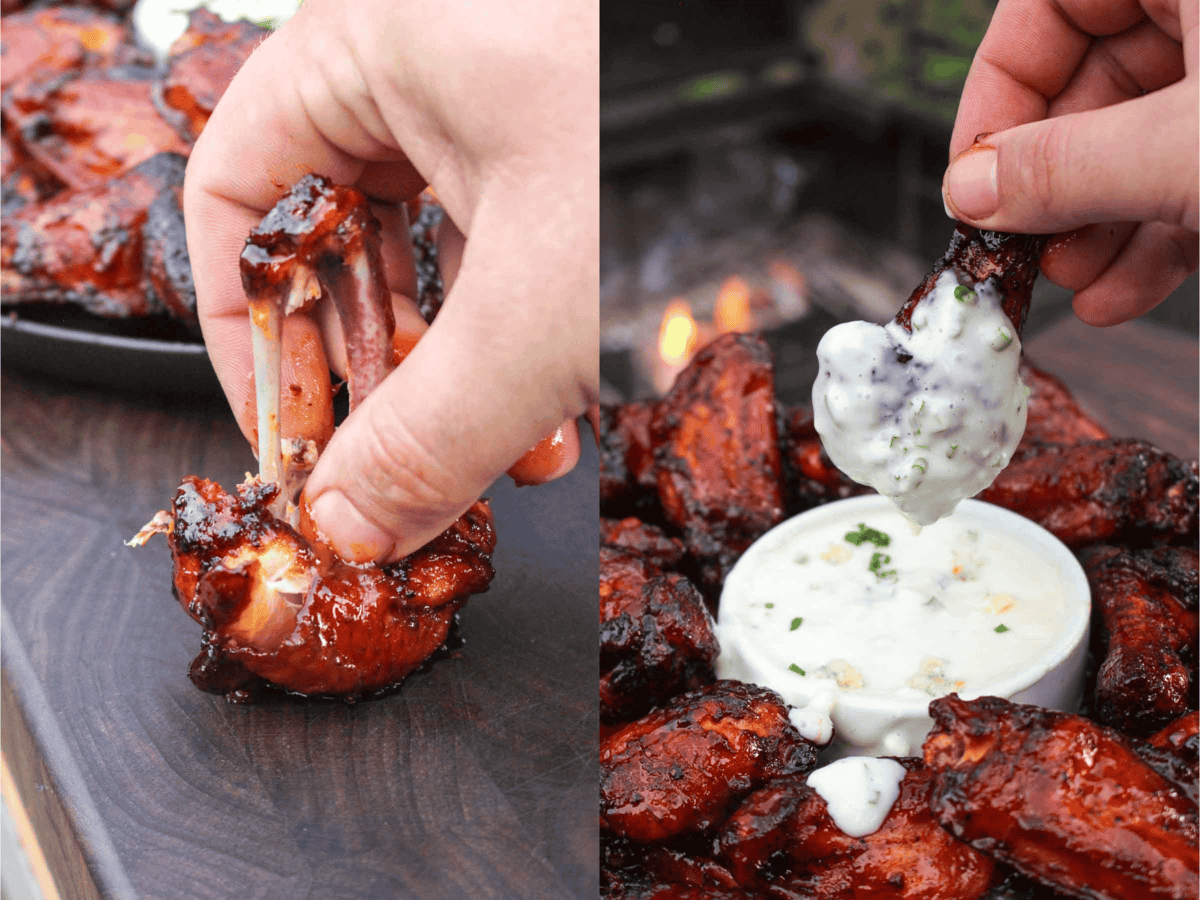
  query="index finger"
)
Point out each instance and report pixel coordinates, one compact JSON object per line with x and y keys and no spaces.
{"x":1027,"y":57}
{"x":257,"y":143}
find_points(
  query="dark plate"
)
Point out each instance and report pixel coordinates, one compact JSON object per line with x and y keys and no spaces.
{"x":154,"y":355}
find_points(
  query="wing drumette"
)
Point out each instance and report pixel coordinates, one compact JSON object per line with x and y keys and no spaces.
{"x":276,"y":604}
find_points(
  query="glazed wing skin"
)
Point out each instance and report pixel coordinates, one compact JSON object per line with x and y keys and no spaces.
{"x":278,"y":608}
{"x":719,"y":472}
{"x":811,"y":477}
{"x":1174,"y":752}
{"x":1064,"y":800}
{"x":656,"y":636}
{"x":1011,"y":260}
{"x":782,"y":840}
{"x":44,"y":43}
{"x":200,"y":65}
{"x":1110,"y":490}
{"x":683,"y":767}
{"x":116,"y":250}
{"x":1055,"y":417}
{"x":646,"y":541}
{"x":89,"y":126}
{"x":628,"y":483}
{"x":1147,"y":603}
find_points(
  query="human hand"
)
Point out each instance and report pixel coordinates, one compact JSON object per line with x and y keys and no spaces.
{"x":497,"y":108}
{"x":1090,"y":116}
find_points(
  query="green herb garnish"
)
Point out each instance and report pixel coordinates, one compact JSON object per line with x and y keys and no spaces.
{"x":769,"y":605}
{"x":866,"y":535}
{"x":919,"y":465}
{"x":950,"y":453}
{"x":795,"y":668}
{"x":796,"y":623}
{"x":878,"y":561}
{"x":1000,"y":629}
{"x":964,"y":294}
{"x":1005,"y":340}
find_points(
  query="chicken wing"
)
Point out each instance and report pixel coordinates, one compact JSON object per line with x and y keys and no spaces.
{"x":656,"y":636}
{"x":1062,"y":799}
{"x":1147,"y":604}
{"x":718,"y":467}
{"x":683,"y":767}
{"x":200,"y":65}
{"x":628,"y":481}
{"x":42,"y":44}
{"x":1010,"y":260}
{"x":647,"y":542}
{"x":782,"y":840}
{"x":117,"y":249}
{"x":1110,"y":490}
{"x":277,"y":605}
{"x":89,"y":126}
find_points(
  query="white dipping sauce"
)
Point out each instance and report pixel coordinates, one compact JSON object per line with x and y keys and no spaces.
{"x":858,"y":621}
{"x":935,"y":429}
{"x":858,"y":791}
{"x":158,"y":23}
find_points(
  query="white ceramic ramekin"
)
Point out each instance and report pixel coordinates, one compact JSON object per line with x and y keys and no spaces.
{"x":877,"y":725}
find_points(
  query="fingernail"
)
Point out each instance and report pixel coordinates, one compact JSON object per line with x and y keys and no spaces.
{"x":354,"y":537}
{"x":970,"y":186}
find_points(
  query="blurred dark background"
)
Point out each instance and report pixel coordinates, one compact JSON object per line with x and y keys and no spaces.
{"x":794,"y":145}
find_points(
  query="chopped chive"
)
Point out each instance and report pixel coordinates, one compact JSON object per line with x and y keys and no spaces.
{"x":893,"y":443}
{"x":769,"y":605}
{"x":795,"y":668}
{"x":796,"y":623}
{"x":866,"y":535}
{"x":1003,"y":342}
{"x":951,"y":451}
{"x":878,"y":561}
{"x":918,"y":465}
{"x":1000,"y":629}
{"x":964,"y":294}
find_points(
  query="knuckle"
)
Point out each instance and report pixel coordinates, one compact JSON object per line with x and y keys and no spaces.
{"x":402,"y":472}
{"x":1045,"y":168}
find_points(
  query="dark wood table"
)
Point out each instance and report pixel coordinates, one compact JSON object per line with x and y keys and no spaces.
{"x":477,"y":779}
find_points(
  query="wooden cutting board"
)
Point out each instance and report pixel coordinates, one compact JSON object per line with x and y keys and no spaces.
{"x":477,"y":779}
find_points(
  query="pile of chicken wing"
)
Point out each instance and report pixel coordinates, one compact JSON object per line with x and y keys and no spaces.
{"x":703,"y":791}
{"x":95,"y":135}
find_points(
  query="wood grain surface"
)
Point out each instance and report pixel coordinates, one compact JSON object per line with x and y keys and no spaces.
{"x":476,"y":779}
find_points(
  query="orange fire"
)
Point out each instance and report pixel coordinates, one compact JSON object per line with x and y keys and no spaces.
{"x":732,"y":312}
{"x":678,"y":334}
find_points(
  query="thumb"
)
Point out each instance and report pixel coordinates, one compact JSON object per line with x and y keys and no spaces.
{"x":504,"y":364}
{"x":1133,"y":161}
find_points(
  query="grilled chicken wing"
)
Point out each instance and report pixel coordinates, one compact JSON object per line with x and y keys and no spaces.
{"x":1010,"y":260}
{"x":782,"y":840}
{"x":117,"y":249}
{"x":718,"y":467}
{"x":1064,"y":800}
{"x":277,"y":605}
{"x":200,"y":65}
{"x":647,"y":542}
{"x":656,"y":636}
{"x":42,"y":44}
{"x":1174,"y":752}
{"x":683,"y":767}
{"x":89,"y":126}
{"x":1110,"y":490}
{"x":1147,"y":604}
{"x":628,"y":482}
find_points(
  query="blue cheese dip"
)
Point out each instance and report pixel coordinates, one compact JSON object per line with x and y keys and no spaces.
{"x":930,"y":417}
{"x":858,"y":621}
{"x":859,"y":791}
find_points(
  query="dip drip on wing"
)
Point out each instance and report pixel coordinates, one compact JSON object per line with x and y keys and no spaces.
{"x":277,"y":605}
{"x":929,"y":408}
